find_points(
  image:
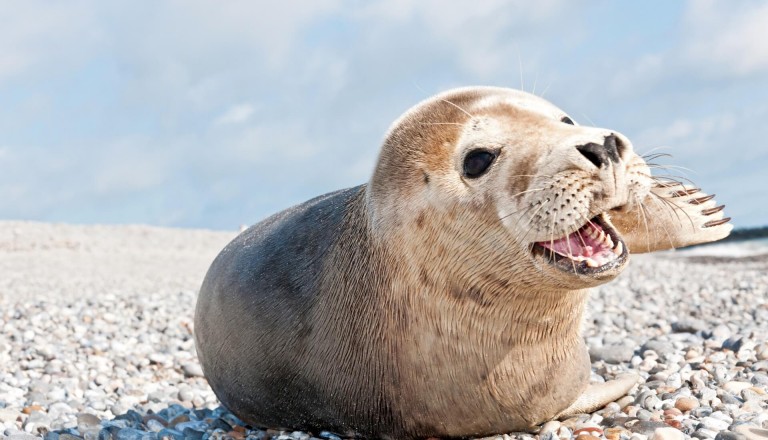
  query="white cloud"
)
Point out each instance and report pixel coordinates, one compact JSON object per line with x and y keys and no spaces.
{"x":727,"y":37}
{"x":129,"y":165}
{"x":718,"y":41}
{"x":236,"y":114}
{"x":690,"y":134}
{"x":34,"y":35}
{"x":484,"y":37}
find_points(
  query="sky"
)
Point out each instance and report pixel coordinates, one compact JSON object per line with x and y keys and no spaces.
{"x":218,"y":114}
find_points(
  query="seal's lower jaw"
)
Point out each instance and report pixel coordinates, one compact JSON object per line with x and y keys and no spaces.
{"x":595,"y":250}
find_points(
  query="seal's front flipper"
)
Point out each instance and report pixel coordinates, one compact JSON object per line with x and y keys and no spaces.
{"x":671,"y":216}
{"x":597,"y":395}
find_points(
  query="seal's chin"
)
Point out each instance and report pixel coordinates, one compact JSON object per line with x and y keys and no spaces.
{"x":593,"y":249}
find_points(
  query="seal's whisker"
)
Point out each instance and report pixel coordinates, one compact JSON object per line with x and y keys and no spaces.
{"x":672,"y":178}
{"x":570,"y":251}
{"x":669,"y":237}
{"x":523,"y":210}
{"x":645,"y":223}
{"x":458,"y":107}
{"x":530,"y":219}
{"x":442,"y":123}
{"x":666,"y":231}
{"x":552,"y":233}
{"x":528,"y":191}
{"x":650,"y":153}
{"x":657,"y":166}
{"x":517,"y":223}
{"x":545,"y":89}
{"x":523,"y":192}
{"x":654,"y":156}
{"x":588,"y":119}
{"x":675,"y":209}
{"x":530,"y":175}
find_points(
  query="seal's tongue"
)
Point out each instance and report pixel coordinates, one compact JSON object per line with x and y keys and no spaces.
{"x":589,"y":244}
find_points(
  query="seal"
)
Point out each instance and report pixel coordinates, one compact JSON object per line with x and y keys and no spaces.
{"x":443,"y":298}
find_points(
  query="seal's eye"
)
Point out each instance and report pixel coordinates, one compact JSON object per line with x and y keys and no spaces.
{"x":476,"y":163}
{"x":567,"y":120}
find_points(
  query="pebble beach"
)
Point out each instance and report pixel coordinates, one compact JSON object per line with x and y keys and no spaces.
{"x":96,"y":341}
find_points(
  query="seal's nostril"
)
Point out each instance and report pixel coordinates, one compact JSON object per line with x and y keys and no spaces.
{"x":615,"y":147}
{"x":594,"y":153}
{"x":602,"y":155}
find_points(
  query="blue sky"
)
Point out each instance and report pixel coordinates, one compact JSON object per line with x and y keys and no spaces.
{"x":216,"y":114}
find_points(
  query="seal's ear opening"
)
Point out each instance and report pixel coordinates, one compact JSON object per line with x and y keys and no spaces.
{"x":477,"y":162}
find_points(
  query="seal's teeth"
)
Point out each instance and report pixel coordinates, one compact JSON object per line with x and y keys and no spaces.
{"x":592,"y":263}
{"x":619,"y":249}
{"x":609,"y":241}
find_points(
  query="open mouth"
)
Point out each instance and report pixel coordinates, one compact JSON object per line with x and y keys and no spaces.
{"x":593,"y":248}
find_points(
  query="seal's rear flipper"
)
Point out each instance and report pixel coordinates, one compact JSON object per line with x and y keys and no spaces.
{"x":671,"y":216}
{"x":597,"y":395}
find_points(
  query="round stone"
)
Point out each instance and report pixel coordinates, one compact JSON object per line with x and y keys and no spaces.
{"x":685,"y":404}
{"x":668,"y":434}
{"x":86,"y":421}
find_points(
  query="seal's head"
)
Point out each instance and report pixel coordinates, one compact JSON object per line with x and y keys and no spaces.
{"x":507,"y":182}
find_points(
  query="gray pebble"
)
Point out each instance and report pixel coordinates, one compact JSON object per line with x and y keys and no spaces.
{"x":170,"y":434}
{"x":129,"y":434}
{"x":729,"y":398}
{"x":661,"y":347}
{"x":701,"y":411}
{"x":721,"y":332}
{"x":704,"y":434}
{"x":56,"y":394}
{"x":9,"y":415}
{"x":689,"y":325}
{"x":752,"y":432}
{"x":87,"y":421}
{"x":612,"y":354}
{"x":193,"y":425}
{"x":646,"y":427}
{"x":760,"y":366}
{"x":714,"y":424}
{"x":644,"y":414}
{"x":154,"y":425}
{"x":192,"y":369}
{"x":760,"y":379}
{"x":186,"y":395}
{"x":728,"y":435}
{"x":733,"y":344}
{"x":38,"y":418}
{"x":23,"y":436}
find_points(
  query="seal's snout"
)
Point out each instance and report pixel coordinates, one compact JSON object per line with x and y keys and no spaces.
{"x":611,"y":151}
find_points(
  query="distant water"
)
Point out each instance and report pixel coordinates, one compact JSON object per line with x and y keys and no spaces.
{"x":734,"y":249}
